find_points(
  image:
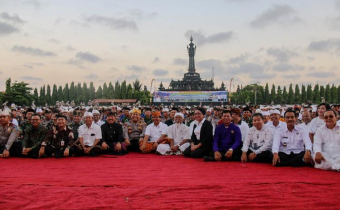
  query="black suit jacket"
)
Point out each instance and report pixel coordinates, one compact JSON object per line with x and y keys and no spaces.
{"x":206,"y":135}
{"x":112,"y":132}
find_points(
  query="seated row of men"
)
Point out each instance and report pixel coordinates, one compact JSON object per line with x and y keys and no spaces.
{"x":290,"y":145}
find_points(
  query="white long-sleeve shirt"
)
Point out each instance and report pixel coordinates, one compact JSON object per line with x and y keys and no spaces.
{"x":258,"y":140}
{"x":244,"y":129}
{"x":315,"y":124}
{"x":327,"y":140}
{"x":179,"y":132}
{"x":295,"y":141}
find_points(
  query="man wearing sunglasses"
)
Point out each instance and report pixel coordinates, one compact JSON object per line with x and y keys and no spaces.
{"x":326,"y":145}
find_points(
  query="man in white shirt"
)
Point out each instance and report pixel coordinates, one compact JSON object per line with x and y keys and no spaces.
{"x":179,"y":135}
{"x":89,"y":137}
{"x":265,"y":115}
{"x":291,"y":144}
{"x":96,"y":118}
{"x":318,"y":121}
{"x":326,"y":145}
{"x":258,"y":142}
{"x":237,"y":120}
{"x":275,"y":122}
{"x":306,"y":119}
{"x":155,"y":134}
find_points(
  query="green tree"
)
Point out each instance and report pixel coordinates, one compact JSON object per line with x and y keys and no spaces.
{"x":49,"y":95}
{"x":272,"y":94}
{"x":92,"y":91}
{"x":259,"y":97}
{"x":85,"y":94}
{"x":284,"y":95}
{"x":54,"y":94}
{"x":111,"y":91}
{"x":66,"y":93}
{"x":35,"y":96}
{"x":322,"y":92}
{"x":129,"y":91}
{"x":18,"y":93}
{"x":303,"y":93}
{"x":105,"y":90}
{"x":279,"y":96}
{"x":328,"y":93}
{"x":99,"y":93}
{"x":60,"y":94}
{"x":334,"y":92}
{"x":123,"y":89}
{"x":79,"y":91}
{"x":118,"y":94}
{"x":291,"y":98}
{"x":297,"y":94}
{"x":137,"y":86}
{"x":72,"y":93}
{"x":42,"y":96}
{"x":338,"y":94}
{"x":266,"y":94}
{"x":316,"y":94}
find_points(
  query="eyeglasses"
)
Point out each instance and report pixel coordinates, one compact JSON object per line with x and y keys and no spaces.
{"x":329,"y":116}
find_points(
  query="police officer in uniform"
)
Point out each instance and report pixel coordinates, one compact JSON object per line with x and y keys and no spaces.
{"x":134,"y":131}
{"x":8,"y":135}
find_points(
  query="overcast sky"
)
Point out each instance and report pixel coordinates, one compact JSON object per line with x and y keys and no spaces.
{"x":56,"y":42}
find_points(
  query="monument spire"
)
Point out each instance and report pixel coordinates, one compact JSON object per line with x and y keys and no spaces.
{"x":191,"y":51}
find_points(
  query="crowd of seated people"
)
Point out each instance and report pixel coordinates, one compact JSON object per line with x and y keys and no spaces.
{"x":281,"y":136}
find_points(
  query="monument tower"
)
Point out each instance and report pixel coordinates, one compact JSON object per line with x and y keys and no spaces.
{"x":192,"y":80}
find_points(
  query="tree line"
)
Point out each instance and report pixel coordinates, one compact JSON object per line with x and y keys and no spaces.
{"x":280,"y":95}
{"x":21,"y":94}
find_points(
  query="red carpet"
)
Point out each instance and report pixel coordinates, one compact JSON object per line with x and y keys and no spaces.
{"x":138,"y":181}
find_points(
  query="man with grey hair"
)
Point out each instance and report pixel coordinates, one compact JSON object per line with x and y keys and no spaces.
{"x":179,"y":135}
{"x":8,"y":134}
{"x":89,"y":137}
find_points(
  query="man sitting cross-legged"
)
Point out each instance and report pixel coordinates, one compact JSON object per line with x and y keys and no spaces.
{"x":112,"y":136}
{"x":61,"y":142}
{"x":326,"y":145}
{"x":89,"y":137}
{"x":179,"y":135}
{"x":258,"y":142}
{"x":227,"y":140}
{"x":155,"y":134}
{"x":291,"y":144}
{"x":134,"y":131}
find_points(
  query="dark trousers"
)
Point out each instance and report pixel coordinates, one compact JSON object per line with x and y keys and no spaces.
{"x":111,"y":149}
{"x":292,"y":159}
{"x":197,"y":153}
{"x":95,"y":151}
{"x":14,"y":151}
{"x":236,"y":156}
{"x":134,"y":145}
{"x":58,"y":152}
{"x":34,"y":153}
{"x":263,"y":157}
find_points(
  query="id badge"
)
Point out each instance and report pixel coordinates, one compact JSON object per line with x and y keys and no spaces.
{"x":62,"y":143}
